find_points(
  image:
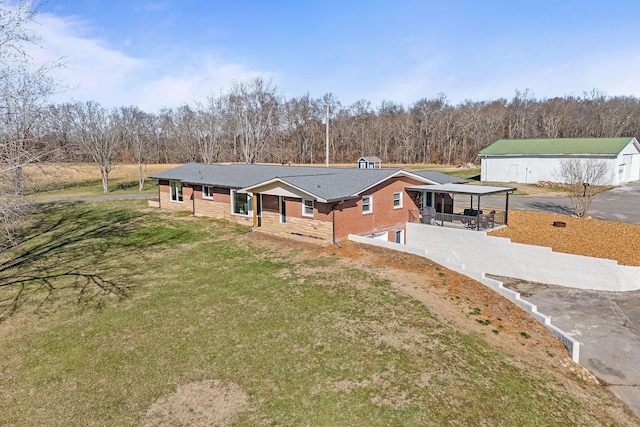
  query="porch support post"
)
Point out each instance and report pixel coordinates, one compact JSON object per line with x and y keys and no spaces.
{"x":442,"y":209}
{"x":506,"y":211}
{"x":255,"y":210}
{"x":478,"y":216}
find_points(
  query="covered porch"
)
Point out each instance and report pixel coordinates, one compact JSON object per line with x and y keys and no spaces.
{"x":468,"y":215}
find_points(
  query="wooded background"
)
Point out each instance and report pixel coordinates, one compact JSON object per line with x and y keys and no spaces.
{"x":253,"y":122}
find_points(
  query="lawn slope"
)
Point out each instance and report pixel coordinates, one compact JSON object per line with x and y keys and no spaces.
{"x":117,"y":314}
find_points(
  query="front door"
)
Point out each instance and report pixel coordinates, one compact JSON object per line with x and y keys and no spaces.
{"x":283,"y":210}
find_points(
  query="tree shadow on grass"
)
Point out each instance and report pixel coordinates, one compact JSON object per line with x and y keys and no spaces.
{"x":74,"y":252}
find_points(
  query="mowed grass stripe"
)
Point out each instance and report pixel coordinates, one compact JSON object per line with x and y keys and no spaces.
{"x":309,"y":341}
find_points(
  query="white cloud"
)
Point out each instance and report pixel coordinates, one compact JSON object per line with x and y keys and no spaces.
{"x":104,"y":74}
{"x":614,"y":74}
{"x":192,"y":84}
{"x":423,"y":80}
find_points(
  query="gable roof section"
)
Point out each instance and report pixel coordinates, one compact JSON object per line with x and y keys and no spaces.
{"x":325,"y":184}
{"x":371,"y":159}
{"x":335,"y":185}
{"x":557,"y":146}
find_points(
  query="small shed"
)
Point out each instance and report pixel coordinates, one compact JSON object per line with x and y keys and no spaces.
{"x":371,"y":162}
{"x":529,"y":161}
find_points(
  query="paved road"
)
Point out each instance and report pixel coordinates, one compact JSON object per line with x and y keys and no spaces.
{"x":606,"y":323}
{"x":619,"y":204}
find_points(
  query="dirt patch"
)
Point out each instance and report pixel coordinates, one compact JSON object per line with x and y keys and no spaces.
{"x":454,"y":298}
{"x":581,"y":236}
{"x":207,"y":403}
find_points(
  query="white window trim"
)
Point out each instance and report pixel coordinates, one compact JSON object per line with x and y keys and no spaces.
{"x":370,"y":197}
{"x":304,"y":208}
{"x":207,"y":197}
{"x":171,"y":195}
{"x":249,"y":204}
{"x":394,"y":200}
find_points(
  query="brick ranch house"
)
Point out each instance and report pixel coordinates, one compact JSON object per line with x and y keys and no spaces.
{"x":325,"y":203}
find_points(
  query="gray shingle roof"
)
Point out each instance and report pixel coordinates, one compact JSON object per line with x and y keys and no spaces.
{"x":439,"y":177}
{"x":324,"y":183}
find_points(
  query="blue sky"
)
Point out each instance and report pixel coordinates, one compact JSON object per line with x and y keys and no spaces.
{"x":167,"y":53}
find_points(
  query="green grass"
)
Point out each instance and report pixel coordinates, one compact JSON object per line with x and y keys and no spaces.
{"x":107,"y":307}
{"x":91,"y":189}
{"x":471,"y":174}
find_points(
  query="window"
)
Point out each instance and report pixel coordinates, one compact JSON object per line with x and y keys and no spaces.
{"x":240,"y":203}
{"x":176,"y":191}
{"x":307,"y":207}
{"x":207,"y":192}
{"x":397,"y":200}
{"x":367,"y":204}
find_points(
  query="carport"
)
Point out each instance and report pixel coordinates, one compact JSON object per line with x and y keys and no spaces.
{"x":471,"y":218}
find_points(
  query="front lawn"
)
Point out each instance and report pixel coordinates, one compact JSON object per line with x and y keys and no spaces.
{"x":117,"y":314}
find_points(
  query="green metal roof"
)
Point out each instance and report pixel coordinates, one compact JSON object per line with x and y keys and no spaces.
{"x":591,"y":146}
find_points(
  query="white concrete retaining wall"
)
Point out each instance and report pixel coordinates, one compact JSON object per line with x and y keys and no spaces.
{"x":570,"y":344}
{"x":477,"y":252}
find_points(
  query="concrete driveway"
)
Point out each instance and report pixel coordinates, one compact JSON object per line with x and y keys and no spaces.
{"x":605,"y":323}
{"x":619,"y":204}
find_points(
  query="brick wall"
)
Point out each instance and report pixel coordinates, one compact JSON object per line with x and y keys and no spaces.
{"x":218,"y":207}
{"x":349,"y":218}
{"x":167,"y":203}
{"x":318,"y":226}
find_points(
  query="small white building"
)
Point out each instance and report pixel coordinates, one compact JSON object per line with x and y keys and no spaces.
{"x":529,"y":161}
{"x":371,"y":162}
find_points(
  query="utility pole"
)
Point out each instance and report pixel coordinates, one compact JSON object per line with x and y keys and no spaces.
{"x":326,"y":153}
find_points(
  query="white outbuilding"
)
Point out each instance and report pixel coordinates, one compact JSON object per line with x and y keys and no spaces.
{"x":529,"y":161}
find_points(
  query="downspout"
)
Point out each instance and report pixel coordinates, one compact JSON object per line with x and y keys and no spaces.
{"x":333,"y":223}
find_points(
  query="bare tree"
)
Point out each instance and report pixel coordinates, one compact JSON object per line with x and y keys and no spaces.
{"x":254,"y":108}
{"x":303,"y":121}
{"x":24,"y":89}
{"x":138,"y":132}
{"x":583,"y":176}
{"x":96,"y":134}
{"x":208,"y":129}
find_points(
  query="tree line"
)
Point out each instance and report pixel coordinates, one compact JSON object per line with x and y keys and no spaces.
{"x":253,"y":122}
